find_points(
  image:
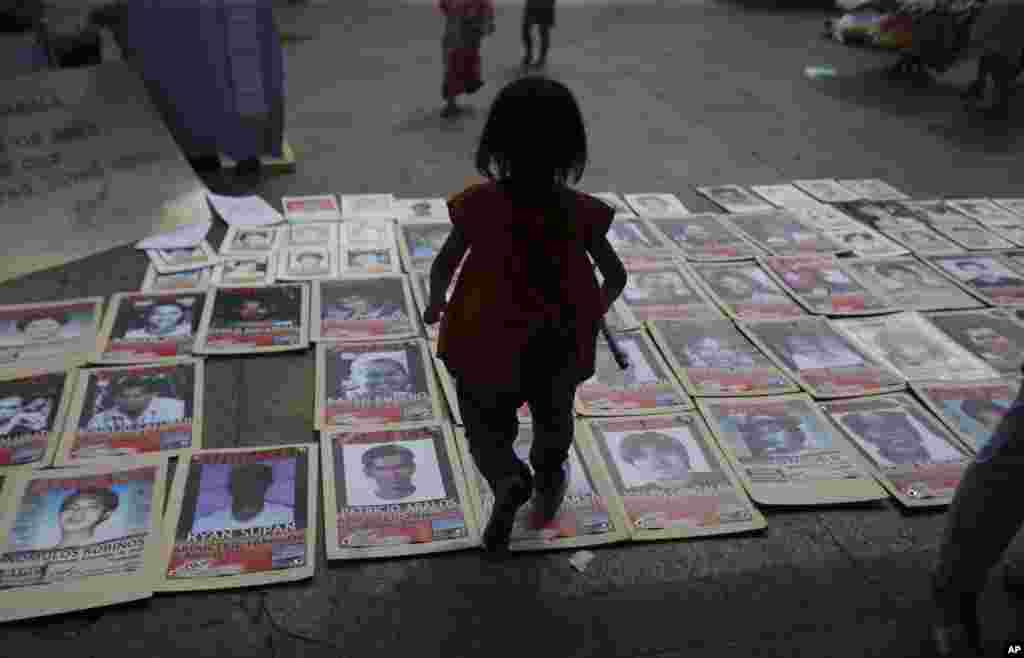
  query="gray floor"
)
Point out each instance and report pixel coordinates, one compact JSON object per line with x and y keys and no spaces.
{"x":675,"y":95}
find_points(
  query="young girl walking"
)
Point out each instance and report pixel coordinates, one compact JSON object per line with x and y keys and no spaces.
{"x":522,"y":322}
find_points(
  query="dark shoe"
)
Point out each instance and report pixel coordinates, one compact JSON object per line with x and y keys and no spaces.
{"x":205,"y":164}
{"x":249,"y":167}
{"x":511,"y":495}
{"x":550,"y":494}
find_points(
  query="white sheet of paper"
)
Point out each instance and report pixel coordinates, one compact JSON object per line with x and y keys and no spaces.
{"x":189,"y":235}
{"x":244,"y":210}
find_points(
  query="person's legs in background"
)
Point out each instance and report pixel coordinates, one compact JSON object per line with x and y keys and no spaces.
{"x":545,"y":44}
{"x":527,"y":34}
{"x":491,"y":428}
{"x":983,"y":520}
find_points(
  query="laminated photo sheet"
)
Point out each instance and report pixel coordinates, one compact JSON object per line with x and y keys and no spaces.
{"x":311,"y":208}
{"x":921,"y":240}
{"x":589,"y":516}
{"x":703,"y":237}
{"x":647,"y":386}
{"x":712,"y":358}
{"x":883,"y":215}
{"x":421,"y":209}
{"x":313,"y":235}
{"x":873,"y":189}
{"x":827,"y":190}
{"x":307,"y":263}
{"x":241,"y":517}
{"x":367,"y":206}
{"x":1016,"y":206}
{"x":735,"y":199}
{"x":253,"y":240}
{"x":867,"y":242}
{"x":33,"y":408}
{"x":255,"y":320}
{"x":365,"y":259}
{"x":188,"y":280}
{"x":356,"y":308}
{"x":368,"y":232}
{"x":376,"y":383}
{"x":786,"y":451}
{"x":782,"y":233}
{"x":824,"y":362}
{"x":663,"y":290}
{"x":621,"y":208}
{"x":914,"y":456}
{"x":909,"y":284}
{"x":448,"y":386}
{"x":784,"y":195}
{"x":972,"y":410}
{"x":985,"y":211}
{"x":744,"y":291}
{"x":823,"y":285}
{"x":825,"y":217}
{"x":656,"y":204}
{"x":632,"y":234}
{"x":144,"y":327}
{"x":992,"y":335}
{"x":994,"y":278}
{"x":912,"y":346}
{"x":672,"y":480}
{"x":934,"y":212}
{"x":48,"y":335}
{"x":392,"y":493}
{"x":972,"y":236}
{"x":419,"y":241}
{"x":134,"y":410}
{"x":246,"y":271}
{"x":80,"y":537}
{"x":182,"y":259}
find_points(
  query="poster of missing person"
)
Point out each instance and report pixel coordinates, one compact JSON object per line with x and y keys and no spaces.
{"x":671,"y":478}
{"x":984,"y":211}
{"x":992,"y":335}
{"x":407,"y":210}
{"x":251,"y":271}
{"x":147,"y":327}
{"x":826,"y":363}
{"x":48,"y":335}
{"x":523,"y":416}
{"x":241,"y":517}
{"x":182,"y":259}
{"x":712,"y":358}
{"x":827,"y":190}
{"x":825,"y":217}
{"x":252,"y":240}
{"x":784,"y":195}
{"x":908,"y":284}
{"x":972,"y":410}
{"x":255,"y":319}
{"x":746,"y":292}
{"x":80,"y":537}
{"x":376,"y":307}
{"x":390,"y":493}
{"x":647,"y":386}
{"x":314,"y":208}
{"x":661,"y":289}
{"x":883,"y":215}
{"x":703,"y":237}
{"x":786,"y":451}
{"x":307,"y":263}
{"x":366,"y":259}
{"x":735,"y":199}
{"x":824,"y":285}
{"x":782,"y":233}
{"x":633,"y":234}
{"x":375,"y":383}
{"x":134,"y":410}
{"x":995,"y":278}
{"x":873,"y":189}
{"x":917,"y":350}
{"x":188,"y":280}
{"x":590,"y":515}
{"x":419,"y":242}
{"x":367,"y":206}
{"x":911,"y":453}
{"x":32,"y":412}
{"x":922,"y":240}
{"x":656,"y":205}
{"x":866,"y":242}
{"x":972,"y":236}
{"x":313,"y":235}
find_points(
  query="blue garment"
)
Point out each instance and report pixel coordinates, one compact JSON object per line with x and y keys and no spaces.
{"x":215,"y":70}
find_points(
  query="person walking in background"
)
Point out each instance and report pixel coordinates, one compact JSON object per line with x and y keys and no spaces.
{"x":467,"y":22}
{"x":542,"y":14}
{"x":985,"y":516}
{"x":523,"y":319}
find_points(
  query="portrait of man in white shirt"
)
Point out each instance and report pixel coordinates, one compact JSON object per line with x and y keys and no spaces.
{"x":163,"y":320}
{"x":137,"y":404}
{"x":248,"y":485}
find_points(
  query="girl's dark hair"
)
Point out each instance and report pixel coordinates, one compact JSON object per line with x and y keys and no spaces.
{"x":534,"y":135}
